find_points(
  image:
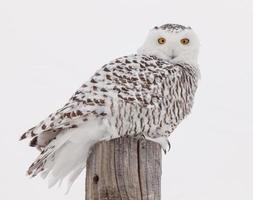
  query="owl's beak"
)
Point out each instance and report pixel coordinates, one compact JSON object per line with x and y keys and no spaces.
{"x":172,"y":56}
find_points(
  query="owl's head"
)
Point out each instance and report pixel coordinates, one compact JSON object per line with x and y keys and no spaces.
{"x":172,"y":42}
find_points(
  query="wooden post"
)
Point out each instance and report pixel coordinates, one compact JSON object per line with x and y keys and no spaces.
{"x":124,"y":169}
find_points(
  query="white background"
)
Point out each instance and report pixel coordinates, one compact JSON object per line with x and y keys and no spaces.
{"x":49,"y":48}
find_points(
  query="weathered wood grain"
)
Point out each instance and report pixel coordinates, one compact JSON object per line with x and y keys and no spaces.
{"x":124,"y":169}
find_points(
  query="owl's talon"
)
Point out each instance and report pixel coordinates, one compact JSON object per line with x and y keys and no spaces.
{"x":169,"y":145}
{"x":163,"y":141}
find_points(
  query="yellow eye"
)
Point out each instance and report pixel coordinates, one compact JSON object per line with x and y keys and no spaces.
{"x":161,"y":40}
{"x":185,"y":41}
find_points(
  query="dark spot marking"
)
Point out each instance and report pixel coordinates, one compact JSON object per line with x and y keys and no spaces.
{"x":134,"y":79}
{"x":93,"y":81}
{"x":44,"y":127}
{"x":67,"y":115}
{"x":102,"y":101}
{"x":131,"y":98}
{"x":78,"y":92}
{"x":106,"y":69}
{"x":116,"y":88}
{"x":108,"y":77}
{"x":73,"y":114}
{"x":79,"y":112}
{"x":103,"y":114}
{"x":34,"y":141}
{"x":23,"y":136}
{"x":119,"y":67}
{"x":94,"y":112}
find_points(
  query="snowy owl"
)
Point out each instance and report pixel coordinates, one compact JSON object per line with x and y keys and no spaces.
{"x":148,"y":93}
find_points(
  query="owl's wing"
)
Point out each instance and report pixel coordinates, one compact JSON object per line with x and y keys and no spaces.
{"x":53,"y":136}
{"x":82,"y":106}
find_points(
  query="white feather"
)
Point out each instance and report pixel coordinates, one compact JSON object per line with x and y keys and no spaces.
{"x":71,"y":152}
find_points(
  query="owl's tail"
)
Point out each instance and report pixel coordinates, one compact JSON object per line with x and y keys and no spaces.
{"x":65,"y":157}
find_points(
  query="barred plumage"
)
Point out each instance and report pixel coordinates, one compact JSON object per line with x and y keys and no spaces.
{"x":141,"y":94}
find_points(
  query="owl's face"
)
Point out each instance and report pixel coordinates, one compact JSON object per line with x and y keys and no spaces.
{"x":172,"y":42}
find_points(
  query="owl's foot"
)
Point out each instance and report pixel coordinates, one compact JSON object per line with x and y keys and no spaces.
{"x":163,"y":141}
